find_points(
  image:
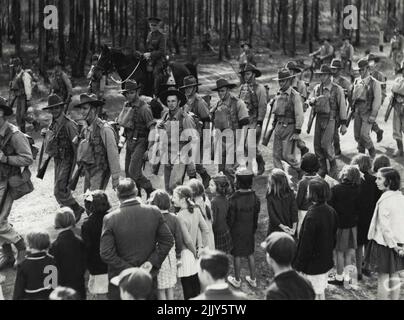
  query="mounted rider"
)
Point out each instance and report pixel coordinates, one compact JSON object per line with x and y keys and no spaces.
{"x":156,"y":44}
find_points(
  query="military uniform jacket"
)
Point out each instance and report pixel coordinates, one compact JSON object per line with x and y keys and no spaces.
{"x":254,"y":96}
{"x":199,"y":108}
{"x":156,"y":45}
{"x":367,"y":91}
{"x":288,"y":106}
{"x":335,"y":98}
{"x":61,"y":84}
{"x":21,"y":85}
{"x":228,"y":113}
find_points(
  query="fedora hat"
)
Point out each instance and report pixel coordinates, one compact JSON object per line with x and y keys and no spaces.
{"x":4,"y":106}
{"x":190,"y":81}
{"x":130,"y":85}
{"x":223,"y":83}
{"x":54,"y":101}
{"x":373,"y":57}
{"x":173,"y":92}
{"x":362,"y":63}
{"x":90,"y":99}
{"x":336,"y":64}
{"x":284,"y":74}
{"x":292,"y":65}
{"x":249,"y":67}
{"x":325,"y":69}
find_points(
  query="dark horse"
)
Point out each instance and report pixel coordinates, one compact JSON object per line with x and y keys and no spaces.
{"x":134,"y":66}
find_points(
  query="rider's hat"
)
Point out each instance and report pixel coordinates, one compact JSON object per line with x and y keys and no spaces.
{"x":90,"y":99}
{"x":252,"y":68}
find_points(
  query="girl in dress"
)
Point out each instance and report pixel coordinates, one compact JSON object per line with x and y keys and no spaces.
{"x":191,"y":221}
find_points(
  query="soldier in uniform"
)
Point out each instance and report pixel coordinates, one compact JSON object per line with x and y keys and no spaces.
{"x":325,"y":53}
{"x":59,"y":144}
{"x":199,"y":108}
{"x":336,"y":67}
{"x":229,"y":113}
{"x":347,"y":54}
{"x":373,"y":61}
{"x":397,"y":47}
{"x":21,"y":94}
{"x":366,"y":100}
{"x":137,"y":119}
{"x":301,"y":87}
{"x":174,"y":121}
{"x":60,"y":83}
{"x":98,"y":147}
{"x":15,"y":154}
{"x":156,"y":52}
{"x":254,"y":96}
{"x":247,"y":56}
{"x":328,"y":101}
{"x":288,"y":122}
{"x":398,"y":117}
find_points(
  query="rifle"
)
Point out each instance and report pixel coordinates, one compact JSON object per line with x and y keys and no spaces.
{"x":75,"y":178}
{"x":267,"y":134}
{"x":42,"y":169}
{"x":313,"y":115}
{"x":351,"y":114}
{"x":389,"y":108}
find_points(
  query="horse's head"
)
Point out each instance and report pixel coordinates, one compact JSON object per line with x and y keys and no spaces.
{"x":104,"y":63}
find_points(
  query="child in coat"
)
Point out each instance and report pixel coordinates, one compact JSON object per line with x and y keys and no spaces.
{"x":244,"y":209}
{"x":69,"y":252}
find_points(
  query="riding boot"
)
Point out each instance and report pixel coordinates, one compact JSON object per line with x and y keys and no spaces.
{"x":372,"y":153}
{"x":261,"y":164}
{"x":21,"y":251}
{"x":323,"y":168}
{"x":149,"y":191}
{"x":333,"y":169}
{"x":7,"y":259}
{"x":400,"y":151}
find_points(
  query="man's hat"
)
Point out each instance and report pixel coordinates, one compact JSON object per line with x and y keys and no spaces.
{"x":154,"y":20}
{"x":223,"y":83}
{"x":284,"y":74}
{"x":362,"y":63}
{"x":15,"y":62}
{"x":130,"y":85}
{"x":173,"y":92}
{"x":54,"y":101}
{"x":292,"y":65}
{"x":373,"y":57}
{"x":336,"y":64}
{"x":136,"y":281}
{"x":90,"y":99}
{"x":4,"y":106}
{"x":325,"y":69}
{"x":190,"y":81}
{"x":252,"y":68}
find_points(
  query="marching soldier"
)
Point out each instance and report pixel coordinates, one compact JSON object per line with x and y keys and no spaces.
{"x":15,"y":154}
{"x":199,"y":108}
{"x":329,"y":105}
{"x":301,"y":87}
{"x":156,"y":52}
{"x":325,"y":53}
{"x":373,"y":61}
{"x":397,"y":46}
{"x":137,"y":119}
{"x":254,"y":96}
{"x":336,"y":67}
{"x":398,"y":106}
{"x":229,"y":113}
{"x":174,"y":170}
{"x":347,"y":54}
{"x":59,"y":145}
{"x":60,"y":83}
{"x":288,"y":122}
{"x":21,"y":94}
{"x":97,"y":151}
{"x":247,"y":56}
{"x":366,"y":101}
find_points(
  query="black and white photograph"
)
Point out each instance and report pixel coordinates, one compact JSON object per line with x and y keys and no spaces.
{"x":193,"y":150}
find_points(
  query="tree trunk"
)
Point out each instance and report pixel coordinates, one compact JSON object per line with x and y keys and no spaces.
{"x":293,"y":27}
{"x":61,"y":29}
{"x":284,"y":15}
{"x":16,"y":15}
{"x":305,"y":20}
{"x":83,"y":38}
{"x":190,"y":28}
{"x":316,"y":20}
{"x":112,"y":20}
{"x":42,"y":40}
{"x":358,"y":31}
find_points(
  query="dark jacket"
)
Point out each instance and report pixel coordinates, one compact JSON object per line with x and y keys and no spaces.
{"x":345,"y":201}
{"x":175,"y":229}
{"x":281,"y":211}
{"x":133,"y":234}
{"x":301,"y":197}
{"x":221,"y":294}
{"x":317,"y":240}
{"x":290,"y":286}
{"x":220,"y":208}
{"x":91,"y":234}
{"x":70,"y":256}
{"x":31,"y":274}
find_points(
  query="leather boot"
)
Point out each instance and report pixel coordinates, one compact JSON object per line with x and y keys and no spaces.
{"x":261,"y":165}
{"x":323,"y":168}
{"x":21,"y":248}
{"x":379,"y":135}
{"x":400,"y":151}
{"x":333,"y":169}
{"x":149,"y":191}
{"x":7,"y":259}
{"x":372,"y":152}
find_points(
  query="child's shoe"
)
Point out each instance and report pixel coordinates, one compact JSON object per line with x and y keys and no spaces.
{"x":234,"y":282}
{"x":252,"y":283}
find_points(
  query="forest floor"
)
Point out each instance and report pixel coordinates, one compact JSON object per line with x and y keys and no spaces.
{"x":36,"y":210}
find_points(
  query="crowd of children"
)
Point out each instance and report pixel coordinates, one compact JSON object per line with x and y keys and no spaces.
{"x":354,"y":224}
